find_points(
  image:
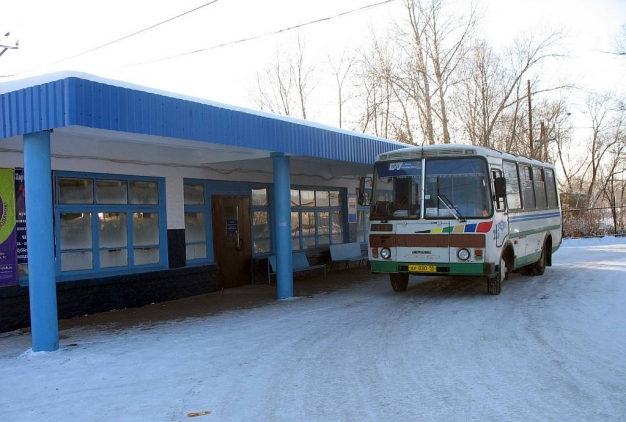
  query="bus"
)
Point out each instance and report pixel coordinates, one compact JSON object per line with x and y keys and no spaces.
{"x":461,"y":210}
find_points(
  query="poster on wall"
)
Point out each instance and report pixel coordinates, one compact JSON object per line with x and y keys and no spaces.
{"x":8,"y":237}
{"x":20,"y":222}
{"x":352,"y":218}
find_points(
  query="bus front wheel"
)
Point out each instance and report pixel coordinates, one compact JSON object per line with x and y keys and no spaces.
{"x":494,"y":284}
{"x":399,"y":281}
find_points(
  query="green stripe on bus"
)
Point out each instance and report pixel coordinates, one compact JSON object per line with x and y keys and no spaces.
{"x":530,"y":259}
{"x":533,"y":231}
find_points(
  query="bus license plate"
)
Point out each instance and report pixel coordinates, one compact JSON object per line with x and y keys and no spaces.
{"x":423,"y":268}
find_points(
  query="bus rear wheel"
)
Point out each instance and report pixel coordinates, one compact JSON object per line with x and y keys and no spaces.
{"x":539,"y":267}
{"x":399,"y":281}
{"x":494,"y":284}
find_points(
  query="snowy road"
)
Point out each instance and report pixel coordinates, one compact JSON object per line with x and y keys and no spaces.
{"x":547,"y":348}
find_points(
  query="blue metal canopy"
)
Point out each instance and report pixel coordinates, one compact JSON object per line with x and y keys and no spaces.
{"x":80,"y":101}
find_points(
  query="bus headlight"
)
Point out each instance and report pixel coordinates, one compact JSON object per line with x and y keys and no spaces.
{"x":463,"y":254}
{"x":385,"y":253}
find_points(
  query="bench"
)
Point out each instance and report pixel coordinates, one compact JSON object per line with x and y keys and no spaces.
{"x":299,"y":262}
{"x":346,"y":253}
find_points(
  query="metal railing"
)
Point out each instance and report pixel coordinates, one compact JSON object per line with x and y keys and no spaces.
{"x":592,"y":222}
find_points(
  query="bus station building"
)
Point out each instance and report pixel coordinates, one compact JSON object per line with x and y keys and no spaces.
{"x":115,"y":196}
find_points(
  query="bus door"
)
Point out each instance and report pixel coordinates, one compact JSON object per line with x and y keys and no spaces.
{"x":501,"y":215}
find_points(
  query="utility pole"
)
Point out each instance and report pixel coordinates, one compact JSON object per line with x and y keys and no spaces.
{"x":530,"y":124}
{"x":614,"y":204}
{"x":4,"y":46}
{"x":544,"y":140}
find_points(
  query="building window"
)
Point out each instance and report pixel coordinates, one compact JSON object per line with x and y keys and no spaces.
{"x":113,"y":230}
{"x":363,"y":219}
{"x":76,"y":241}
{"x":317,"y":218}
{"x":195,"y":222}
{"x":108,"y":223}
{"x":146,"y":238}
{"x":261,"y":240}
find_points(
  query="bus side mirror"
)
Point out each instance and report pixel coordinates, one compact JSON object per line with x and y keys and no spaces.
{"x":500,"y":187}
{"x":362,"y":197}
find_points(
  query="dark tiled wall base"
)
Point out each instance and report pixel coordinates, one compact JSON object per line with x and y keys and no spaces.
{"x":104,"y":294}
{"x":176,"y":248}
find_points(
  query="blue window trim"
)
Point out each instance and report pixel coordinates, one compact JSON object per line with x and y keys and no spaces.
{"x":208,"y":222}
{"x":263,"y":208}
{"x":363,"y":209}
{"x":222,"y":187}
{"x":343,"y":207}
{"x":94,"y":209}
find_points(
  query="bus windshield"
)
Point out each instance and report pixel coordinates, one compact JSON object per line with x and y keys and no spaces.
{"x":457,"y":188}
{"x":396,"y":190}
{"x":453,"y":188}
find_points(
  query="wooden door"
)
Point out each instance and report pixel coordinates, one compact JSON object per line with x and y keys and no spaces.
{"x":232,"y":243}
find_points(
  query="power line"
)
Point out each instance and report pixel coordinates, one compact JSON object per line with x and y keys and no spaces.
{"x":360,"y":9}
{"x":119,"y":39}
{"x":141,"y":31}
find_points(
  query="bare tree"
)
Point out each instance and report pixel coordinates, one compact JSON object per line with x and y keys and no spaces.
{"x":558,"y":136}
{"x":608,"y":126}
{"x":412,"y":72}
{"x":477,"y":96}
{"x":491,"y":92}
{"x":613,"y":178}
{"x":447,"y":39}
{"x":274,"y":89}
{"x":341,"y":69}
{"x":303,"y":76}
{"x":285,"y":86}
{"x":434,"y":43}
{"x":414,"y":81}
{"x":377,"y":91}
{"x":620,"y":42}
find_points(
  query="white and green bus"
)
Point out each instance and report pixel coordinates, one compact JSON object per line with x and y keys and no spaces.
{"x":460,"y":210}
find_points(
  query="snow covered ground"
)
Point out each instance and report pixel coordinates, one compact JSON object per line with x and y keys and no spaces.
{"x":548,"y":348}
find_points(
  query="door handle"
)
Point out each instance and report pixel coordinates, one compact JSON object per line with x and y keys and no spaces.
{"x":239,"y":246}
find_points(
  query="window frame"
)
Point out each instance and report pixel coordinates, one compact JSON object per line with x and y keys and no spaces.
{"x":299,"y":209}
{"x":214,"y":187}
{"x":485,"y":200}
{"x":527,"y":185}
{"x":217,"y":187}
{"x":363,"y":211}
{"x":204,"y":208}
{"x":261,"y":209}
{"x":552,"y":191}
{"x":509,"y":193}
{"x":95,"y":209}
{"x":539,"y":188}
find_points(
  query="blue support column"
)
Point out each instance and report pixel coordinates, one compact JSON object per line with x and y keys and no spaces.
{"x":39,"y":226}
{"x":282,"y":213}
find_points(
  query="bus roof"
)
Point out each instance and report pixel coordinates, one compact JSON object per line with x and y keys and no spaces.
{"x":454,"y":150}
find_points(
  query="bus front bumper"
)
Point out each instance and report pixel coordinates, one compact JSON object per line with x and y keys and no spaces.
{"x":457,"y":269}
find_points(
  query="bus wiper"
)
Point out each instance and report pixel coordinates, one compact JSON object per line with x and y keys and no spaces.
{"x":451,"y":207}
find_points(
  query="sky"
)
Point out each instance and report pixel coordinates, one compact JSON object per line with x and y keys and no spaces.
{"x":346,"y":348}
{"x":198,"y":54}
